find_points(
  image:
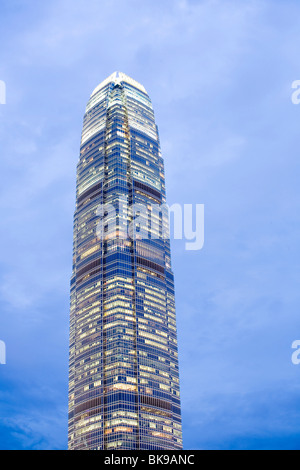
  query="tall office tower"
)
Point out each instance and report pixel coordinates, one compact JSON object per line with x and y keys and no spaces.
{"x":124,"y":381}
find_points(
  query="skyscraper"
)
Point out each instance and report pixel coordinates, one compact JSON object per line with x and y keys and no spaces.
{"x":123,"y":372}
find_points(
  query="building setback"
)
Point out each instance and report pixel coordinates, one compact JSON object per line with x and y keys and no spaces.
{"x":123,"y":371}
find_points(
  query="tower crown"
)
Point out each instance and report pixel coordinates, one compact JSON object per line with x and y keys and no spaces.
{"x":118,"y":77}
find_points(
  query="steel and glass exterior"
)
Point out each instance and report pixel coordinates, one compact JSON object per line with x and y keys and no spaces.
{"x":123,"y":372}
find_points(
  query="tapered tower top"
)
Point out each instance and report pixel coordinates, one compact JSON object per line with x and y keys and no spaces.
{"x":118,"y":77}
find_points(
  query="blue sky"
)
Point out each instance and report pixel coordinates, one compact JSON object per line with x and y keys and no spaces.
{"x":219,"y":73}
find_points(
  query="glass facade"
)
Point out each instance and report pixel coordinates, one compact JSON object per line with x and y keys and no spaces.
{"x":123,"y":372}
